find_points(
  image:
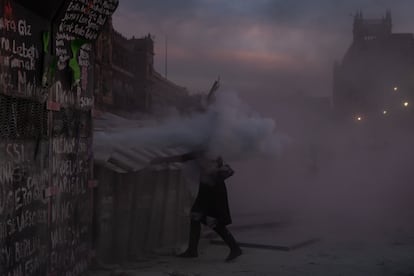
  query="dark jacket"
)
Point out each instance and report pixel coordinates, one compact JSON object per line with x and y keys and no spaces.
{"x":212,"y":198}
{"x":212,"y":202}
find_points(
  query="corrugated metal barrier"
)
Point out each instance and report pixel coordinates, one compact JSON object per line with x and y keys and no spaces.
{"x":141,"y":213}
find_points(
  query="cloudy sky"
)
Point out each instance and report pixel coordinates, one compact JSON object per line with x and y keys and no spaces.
{"x":260,"y":48}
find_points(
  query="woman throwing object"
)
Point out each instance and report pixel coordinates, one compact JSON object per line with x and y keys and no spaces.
{"x":211,"y":206}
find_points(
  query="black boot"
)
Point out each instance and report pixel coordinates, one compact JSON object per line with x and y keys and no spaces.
{"x":228,"y":238}
{"x":192,"y":250}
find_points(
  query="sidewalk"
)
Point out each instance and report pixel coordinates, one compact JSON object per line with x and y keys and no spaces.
{"x":393,"y":255}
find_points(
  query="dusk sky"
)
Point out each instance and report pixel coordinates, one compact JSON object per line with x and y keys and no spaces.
{"x":259,"y":47}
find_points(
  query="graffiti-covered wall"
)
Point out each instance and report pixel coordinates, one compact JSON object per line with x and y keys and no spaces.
{"x":46,"y":99}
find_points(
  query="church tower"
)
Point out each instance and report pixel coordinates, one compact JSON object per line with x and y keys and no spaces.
{"x":372,"y":29}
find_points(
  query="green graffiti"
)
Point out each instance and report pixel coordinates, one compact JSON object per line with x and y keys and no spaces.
{"x":46,"y":41}
{"x":49,"y":62}
{"x":75,"y":45}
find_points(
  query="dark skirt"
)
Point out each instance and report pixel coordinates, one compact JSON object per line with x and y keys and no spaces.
{"x":212,"y":203}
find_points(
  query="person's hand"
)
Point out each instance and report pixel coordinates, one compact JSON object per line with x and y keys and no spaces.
{"x":225,"y":172}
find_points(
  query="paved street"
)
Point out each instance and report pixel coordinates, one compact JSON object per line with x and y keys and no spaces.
{"x":386,"y":252}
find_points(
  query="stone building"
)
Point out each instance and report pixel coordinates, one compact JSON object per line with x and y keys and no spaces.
{"x":103,"y":67}
{"x":376,"y":75}
{"x":134,"y":85}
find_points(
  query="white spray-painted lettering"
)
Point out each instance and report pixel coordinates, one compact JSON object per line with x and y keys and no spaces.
{"x":6,"y":174}
{"x":86,"y":102}
{"x":21,"y":222}
{"x":25,"y":248}
{"x":63,"y":145}
{"x":21,"y":26}
{"x":20,"y":56}
{"x":65,"y":236}
{"x":67,"y":167}
{"x":74,"y":185}
{"x":32,"y":265}
{"x":24,"y":28}
{"x":7,"y":255}
{"x":18,"y":48}
{"x":25,"y":220}
{"x":62,"y":61}
{"x":63,"y":96}
{"x":8,"y":25}
{"x":15,"y":152}
{"x":17,"y":63}
{"x":61,"y":211}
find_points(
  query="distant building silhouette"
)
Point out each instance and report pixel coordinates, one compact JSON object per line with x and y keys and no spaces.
{"x":376,"y":75}
{"x":132,"y":65}
{"x":125,"y":78}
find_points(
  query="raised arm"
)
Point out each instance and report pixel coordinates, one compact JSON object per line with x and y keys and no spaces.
{"x":224,"y":172}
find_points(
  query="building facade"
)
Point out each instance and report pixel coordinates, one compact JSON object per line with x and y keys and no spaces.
{"x":134,"y":85}
{"x":376,"y":76}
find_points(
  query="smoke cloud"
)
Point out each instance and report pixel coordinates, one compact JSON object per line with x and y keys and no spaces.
{"x":228,"y":128}
{"x":336,"y":181}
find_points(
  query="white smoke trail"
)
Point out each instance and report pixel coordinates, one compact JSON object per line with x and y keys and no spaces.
{"x":238,"y":132}
{"x":228,"y":128}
